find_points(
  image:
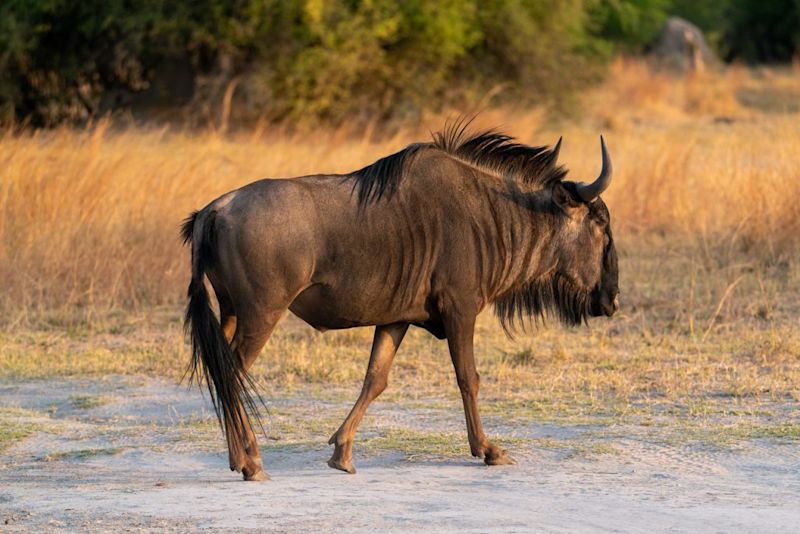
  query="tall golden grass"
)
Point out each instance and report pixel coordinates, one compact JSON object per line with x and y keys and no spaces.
{"x":89,"y":219}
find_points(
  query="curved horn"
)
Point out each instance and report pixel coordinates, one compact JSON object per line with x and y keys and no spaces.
{"x":589,"y":192}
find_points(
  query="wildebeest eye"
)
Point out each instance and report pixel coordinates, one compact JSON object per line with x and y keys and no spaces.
{"x":601,"y":219}
{"x":600,"y":216}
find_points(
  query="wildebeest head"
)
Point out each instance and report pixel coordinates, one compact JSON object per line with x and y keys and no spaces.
{"x":586,"y":263}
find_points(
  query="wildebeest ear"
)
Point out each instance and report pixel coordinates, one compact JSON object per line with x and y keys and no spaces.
{"x":563,"y":197}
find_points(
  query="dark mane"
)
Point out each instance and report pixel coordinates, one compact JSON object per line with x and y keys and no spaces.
{"x":382,"y":177}
{"x":500,"y":153}
{"x":490,"y":150}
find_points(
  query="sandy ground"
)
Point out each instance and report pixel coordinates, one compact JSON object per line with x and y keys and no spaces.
{"x":145,"y":457}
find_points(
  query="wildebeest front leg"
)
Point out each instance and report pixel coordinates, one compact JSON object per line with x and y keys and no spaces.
{"x":384,"y":346}
{"x":460,"y":330}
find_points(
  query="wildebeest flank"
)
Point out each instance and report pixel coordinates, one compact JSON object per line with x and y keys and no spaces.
{"x":427,"y":237}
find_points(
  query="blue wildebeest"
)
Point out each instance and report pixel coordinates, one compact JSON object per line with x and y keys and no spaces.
{"x":427,"y":237}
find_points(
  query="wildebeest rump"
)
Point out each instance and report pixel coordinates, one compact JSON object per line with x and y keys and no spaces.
{"x":427,"y":237}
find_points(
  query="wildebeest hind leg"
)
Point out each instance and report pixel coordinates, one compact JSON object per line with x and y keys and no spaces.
{"x":384,"y":346}
{"x":227,"y":316}
{"x":252,"y":332}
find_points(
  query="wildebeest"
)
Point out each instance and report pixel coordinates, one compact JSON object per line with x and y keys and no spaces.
{"x":427,"y":237}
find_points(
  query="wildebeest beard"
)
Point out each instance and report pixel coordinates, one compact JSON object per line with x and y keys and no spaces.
{"x":550,"y":295}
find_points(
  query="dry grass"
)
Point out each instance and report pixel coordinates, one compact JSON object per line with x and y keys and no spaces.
{"x":707,"y":177}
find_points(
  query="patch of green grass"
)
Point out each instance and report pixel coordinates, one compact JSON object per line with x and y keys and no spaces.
{"x":573,"y":412}
{"x":727,"y":435}
{"x":198,"y":423}
{"x":83,"y":454}
{"x":787,"y":431}
{"x":416,"y":443}
{"x":724,"y":432}
{"x":294,"y":426}
{"x":11,"y":411}
{"x":300,"y":426}
{"x":12,"y":433}
{"x":86,"y":402}
{"x":583,"y":446}
{"x":603,"y":448}
{"x":16,"y":425}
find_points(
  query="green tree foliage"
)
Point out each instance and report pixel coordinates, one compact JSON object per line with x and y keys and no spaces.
{"x":331,"y":59}
{"x":747,"y":30}
{"x":55,"y":54}
{"x":758,"y":30}
{"x":631,"y":23}
{"x":376,"y":53}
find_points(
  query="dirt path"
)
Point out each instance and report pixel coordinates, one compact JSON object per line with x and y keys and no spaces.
{"x":127,"y":454}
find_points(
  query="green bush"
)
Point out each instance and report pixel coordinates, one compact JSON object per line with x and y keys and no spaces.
{"x":762,"y":31}
{"x":632,"y":24}
{"x":327,"y":60}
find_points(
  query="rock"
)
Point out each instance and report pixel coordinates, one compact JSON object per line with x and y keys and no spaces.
{"x":682,"y":46}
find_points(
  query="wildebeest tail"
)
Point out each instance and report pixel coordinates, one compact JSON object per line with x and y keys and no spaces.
{"x":187,"y":228}
{"x":230,"y":387}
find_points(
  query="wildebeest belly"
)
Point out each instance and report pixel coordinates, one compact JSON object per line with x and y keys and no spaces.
{"x":327,"y":307}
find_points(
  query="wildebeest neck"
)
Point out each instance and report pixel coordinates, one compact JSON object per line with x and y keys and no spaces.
{"x":524,"y":226}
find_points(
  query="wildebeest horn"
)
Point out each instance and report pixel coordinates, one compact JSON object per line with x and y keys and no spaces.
{"x":589,"y":192}
{"x":556,"y":150}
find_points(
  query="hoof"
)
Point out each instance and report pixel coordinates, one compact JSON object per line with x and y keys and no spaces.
{"x":341,"y":466}
{"x":258,"y":476}
{"x":496,"y":456}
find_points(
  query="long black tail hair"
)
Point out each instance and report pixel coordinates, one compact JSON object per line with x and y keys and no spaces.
{"x":230,"y":387}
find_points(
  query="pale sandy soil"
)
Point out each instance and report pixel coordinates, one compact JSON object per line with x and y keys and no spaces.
{"x":146,"y":458}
